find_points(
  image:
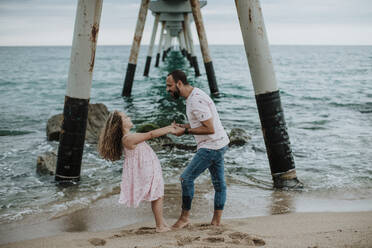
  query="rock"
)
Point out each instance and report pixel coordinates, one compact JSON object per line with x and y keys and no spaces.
{"x":46,"y":163}
{"x":54,"y":127}
{"x":238,"y":137}
{"x":160,"y":143}
{"x":146,"y":127}
{"x":163,"y":142}
{"x":97,"y":115}
{"x":186,"y":147}
{"x":156,"y":144}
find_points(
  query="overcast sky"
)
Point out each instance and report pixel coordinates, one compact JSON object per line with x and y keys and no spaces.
{"x":329,"y":22}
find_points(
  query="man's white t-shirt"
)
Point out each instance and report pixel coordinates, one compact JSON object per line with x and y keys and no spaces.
{"x":200,"y":107}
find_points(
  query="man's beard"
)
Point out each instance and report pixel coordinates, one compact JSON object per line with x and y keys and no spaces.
{"x":176,"y":94}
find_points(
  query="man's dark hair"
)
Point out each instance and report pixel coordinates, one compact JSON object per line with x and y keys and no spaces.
{"x":179,"y":75}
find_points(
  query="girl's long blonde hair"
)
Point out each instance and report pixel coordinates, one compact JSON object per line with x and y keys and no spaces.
{"x":110,"y":145}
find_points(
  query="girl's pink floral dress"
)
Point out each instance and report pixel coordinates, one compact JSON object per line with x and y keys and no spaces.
{"x":142,"y":178}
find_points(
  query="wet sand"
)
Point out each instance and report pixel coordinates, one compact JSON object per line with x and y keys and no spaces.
{"x":287,"y":230}
{"x":244,"y":204}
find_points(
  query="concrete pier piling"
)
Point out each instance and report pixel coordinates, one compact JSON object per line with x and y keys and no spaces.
{"x":131,"y":69}
{"x":169,"y":44}
{"x":267,"y":94}
{"x":181,"y":46}
{"x":182,"y":36}
{"x":195,"y":6}
{"x":160,"y":44}
{"x":193,"y":58}
{"x":75,"y":112}
{"x":187,"y":41}
{"x":151,"y":46}
{"x":182,"y":42}
{"x":166,"y":42}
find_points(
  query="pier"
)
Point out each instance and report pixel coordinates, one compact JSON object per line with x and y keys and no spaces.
{"x":175,"y":18}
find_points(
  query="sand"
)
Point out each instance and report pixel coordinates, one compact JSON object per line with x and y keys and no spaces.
{"x":327,"y":229}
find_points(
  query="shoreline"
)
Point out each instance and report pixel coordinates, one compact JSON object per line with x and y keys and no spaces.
{"x":286,"y":230}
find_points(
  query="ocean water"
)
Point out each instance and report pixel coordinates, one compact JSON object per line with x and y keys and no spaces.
{"x":326,"y":93}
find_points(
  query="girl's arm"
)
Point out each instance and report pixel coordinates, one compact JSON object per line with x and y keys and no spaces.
{"x":136,"y":138}
{"x":187,"y":125}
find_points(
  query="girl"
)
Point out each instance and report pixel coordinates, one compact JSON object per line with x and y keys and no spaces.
{"x":142,"y":175}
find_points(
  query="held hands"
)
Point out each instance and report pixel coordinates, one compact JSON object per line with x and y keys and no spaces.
{"x":176,"y":129}
{"x":179,"y":125}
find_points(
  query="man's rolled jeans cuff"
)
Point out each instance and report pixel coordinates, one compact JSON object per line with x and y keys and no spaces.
{"x":186,"y":203}
{"x":218,"y":207}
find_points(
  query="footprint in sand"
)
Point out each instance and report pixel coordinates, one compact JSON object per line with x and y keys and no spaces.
{"x":184,"y":240}
{"x":245,"y":238}
{"x":206,"y":226}
{"x":97,"y":242}
{"x":202,"y":227}
{"x":145,"y":230}
{"x":214,"y":239}
{"x":216,"y":231}
{"x":217,"y":235}
{"x":139,"y":231}
{"x":212,"y":230}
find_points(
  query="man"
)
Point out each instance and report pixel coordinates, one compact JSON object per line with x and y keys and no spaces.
{"x":212,"y":140}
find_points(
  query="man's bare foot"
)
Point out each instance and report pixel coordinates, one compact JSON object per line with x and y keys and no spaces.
{"x":162,"y":229}
{"x":216,"y":220}
{"x":181,"y":223}
{"x":215,"y":223}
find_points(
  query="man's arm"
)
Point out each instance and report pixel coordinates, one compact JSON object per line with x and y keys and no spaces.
{"x":206,"y":128}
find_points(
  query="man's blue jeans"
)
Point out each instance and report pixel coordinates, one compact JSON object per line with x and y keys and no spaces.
{"x":203,"y":159}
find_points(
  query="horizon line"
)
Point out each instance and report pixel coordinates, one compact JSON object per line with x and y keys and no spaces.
{"x":240,"y":44}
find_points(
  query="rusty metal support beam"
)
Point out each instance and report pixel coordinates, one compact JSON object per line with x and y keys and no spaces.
{"x":187,"y":43}
{"x":179,"y":43}
{"x":195,"y":6}
{"x":193,"y":58}
{"x":160,"y":44}
{"x":131,"y":69}
{"x":184,"y":46}
{"x":151,"y":46}
{"x":267,"y":94}
{"x":166,"y":37}
{"x":75,"y":111}
{"x":167,"y":45}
